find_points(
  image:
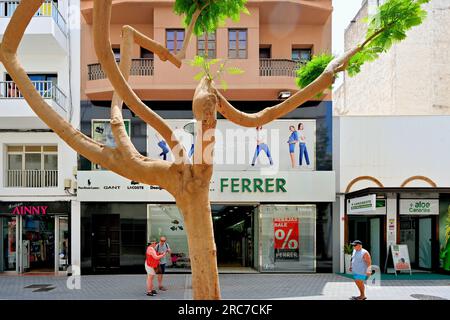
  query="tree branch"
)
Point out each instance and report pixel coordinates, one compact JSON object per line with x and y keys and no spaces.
{"x":102,"y":17}
{"x":155,"y":172}
{"x":182,"y":53}
{"x":267,"y":115}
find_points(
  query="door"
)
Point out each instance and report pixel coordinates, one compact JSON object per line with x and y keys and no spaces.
{"x":106,"y":238}
{"x":61,"y":243}
{"x":425,"y":242}
{"x":375,"y":240}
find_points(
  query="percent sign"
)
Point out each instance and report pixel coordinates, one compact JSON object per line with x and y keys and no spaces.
{"x":280,"y":234}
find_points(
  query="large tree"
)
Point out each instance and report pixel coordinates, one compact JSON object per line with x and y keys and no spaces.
{"x":188,"y":182}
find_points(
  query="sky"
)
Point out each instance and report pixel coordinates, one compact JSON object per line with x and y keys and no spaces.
{"x":343,"y":12}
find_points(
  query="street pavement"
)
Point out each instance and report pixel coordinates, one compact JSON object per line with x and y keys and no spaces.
{"x":233,"y":286}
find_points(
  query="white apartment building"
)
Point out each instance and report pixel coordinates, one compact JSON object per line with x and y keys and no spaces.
{"x":391,"y":131}
{"x":37,"y":169}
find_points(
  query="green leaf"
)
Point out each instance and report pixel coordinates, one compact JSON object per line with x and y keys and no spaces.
{"x":234,"y":70}
{"x":199,"y":76}
{"x":213,"y":15}
{"x":214,"y":61}
{"x":197,"y":62}
{"x":389,"y":25}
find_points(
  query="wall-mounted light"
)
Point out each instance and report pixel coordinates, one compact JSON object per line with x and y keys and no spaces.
{"x":283,"y":95}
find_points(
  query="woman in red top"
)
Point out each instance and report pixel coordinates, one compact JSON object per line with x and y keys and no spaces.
{"x":151,"y":263}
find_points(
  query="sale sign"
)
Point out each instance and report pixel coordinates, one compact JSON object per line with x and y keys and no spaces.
{"x":286,"y":238}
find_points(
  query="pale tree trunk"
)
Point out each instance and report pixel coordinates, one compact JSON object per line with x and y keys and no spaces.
{"x":202,"y":247}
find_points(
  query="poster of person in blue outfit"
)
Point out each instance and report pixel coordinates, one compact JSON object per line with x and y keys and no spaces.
{"x":302,"y":144}
{"x":293,"y":140}
{"x":261,"y":144}
{"x":163,"y":145}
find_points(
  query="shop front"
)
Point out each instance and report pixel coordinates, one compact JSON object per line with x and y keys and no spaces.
{"x":35,"y":236}
{"x":274,"y":229}
{"x":410,"y":217}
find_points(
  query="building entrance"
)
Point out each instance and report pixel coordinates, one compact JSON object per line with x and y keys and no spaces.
{"x":233,"y":232}
{"x":417,"y":233}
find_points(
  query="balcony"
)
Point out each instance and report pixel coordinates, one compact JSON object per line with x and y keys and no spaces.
{"x":47,"y":31}
{"x":139,"y":67}
{"x":14,"y":107}
{"x":279,"y":67}
{"x":32,"y":178}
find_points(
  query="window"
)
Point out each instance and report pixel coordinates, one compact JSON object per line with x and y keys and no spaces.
{"x":206,"y":45}
{"x":32,"y":166}
{"x":145,"y":54}
{"x":302,"y":55}
{"x":264,"y":52}
{"x":42,"y":82}
{"x":174,"y":40}
{"x":116,"y":52}
{"x":237,"y":43}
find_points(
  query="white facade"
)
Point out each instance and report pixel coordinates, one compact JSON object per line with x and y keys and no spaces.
{"x":392,"y":121}
{"x":50,"y":46}
{"x":412,"y":78}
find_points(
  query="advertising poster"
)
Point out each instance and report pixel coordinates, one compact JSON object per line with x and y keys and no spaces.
{"x":282,"y":145}
{"x":400,"y":256}
{"x":102,"y":133}
{"x":286,"y":238}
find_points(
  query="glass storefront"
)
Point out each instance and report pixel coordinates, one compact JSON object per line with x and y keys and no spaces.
{"x":9,"y":248}
{"x":267,"y":238}
{"x":34,"y":237}
{"x":287,"y":239}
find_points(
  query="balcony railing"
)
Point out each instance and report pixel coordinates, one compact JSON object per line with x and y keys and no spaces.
{"x":139,"y":67}
{"x":47,"y":9}
{"x":47,"y":90}
{"x":279,"y":67}
{"x":32,"y":178}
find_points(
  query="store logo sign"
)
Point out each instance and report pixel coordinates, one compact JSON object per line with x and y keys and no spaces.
{"x":30,"y":210}
{"x":419,"y":206}
{"x":256,"y":185}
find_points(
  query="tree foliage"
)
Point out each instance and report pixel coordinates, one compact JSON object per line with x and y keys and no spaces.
{"x":388,"y":26}
{"x":213,"y":14}
{"x":207,"y":70}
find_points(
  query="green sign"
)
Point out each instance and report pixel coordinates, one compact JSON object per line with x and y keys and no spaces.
{"x":255,"y":185}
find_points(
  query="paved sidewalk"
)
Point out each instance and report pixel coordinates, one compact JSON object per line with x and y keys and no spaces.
{"x":234,"y":286}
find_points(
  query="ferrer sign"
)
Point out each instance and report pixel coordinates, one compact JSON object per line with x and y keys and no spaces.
{"x":419,"y":206}
{"x":253,"y":185}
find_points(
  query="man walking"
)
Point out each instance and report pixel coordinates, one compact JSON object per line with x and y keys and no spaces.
{"x":361,"y":267}
{"x":162,"y":247}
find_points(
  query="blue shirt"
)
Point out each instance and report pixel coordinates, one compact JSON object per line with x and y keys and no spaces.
{"x":293,"y":137}
{"x":359,"y":266}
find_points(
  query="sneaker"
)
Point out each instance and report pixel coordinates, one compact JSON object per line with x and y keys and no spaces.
{"x":163,"y":288}
{"x":154,"y":292}
{"x":149,"y":294}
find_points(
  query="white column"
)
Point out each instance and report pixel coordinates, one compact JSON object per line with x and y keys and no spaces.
{"x":338,"y":233}
{"x":75,"y":230}
{"x":391,"y":223}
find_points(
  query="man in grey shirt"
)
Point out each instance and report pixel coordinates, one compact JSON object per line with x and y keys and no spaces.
{"x":361,"y":266}
{"x":162,"y":247}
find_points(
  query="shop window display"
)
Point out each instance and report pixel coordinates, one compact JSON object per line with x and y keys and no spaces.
{"x":9,"y":243}
{"x":288,"y":238}
{"x":166,"y":220}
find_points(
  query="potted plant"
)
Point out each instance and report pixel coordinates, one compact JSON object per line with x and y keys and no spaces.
{"x":348,"y":251}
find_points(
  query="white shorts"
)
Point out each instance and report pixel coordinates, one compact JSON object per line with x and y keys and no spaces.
{"x":150,"y":270}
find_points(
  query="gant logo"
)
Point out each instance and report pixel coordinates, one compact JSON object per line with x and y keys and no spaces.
{"x":30,"y":210}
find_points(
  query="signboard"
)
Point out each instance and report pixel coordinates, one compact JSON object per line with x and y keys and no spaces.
{"x":367,"y":205}
{"x":34,"y":208}
{"x":102,"y":133}
{"x":400,"y":256}
{"x":419,"y":206}
{"x":282,"y":145}
{"x":286,"y":238}
{"x":226,"y":186}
